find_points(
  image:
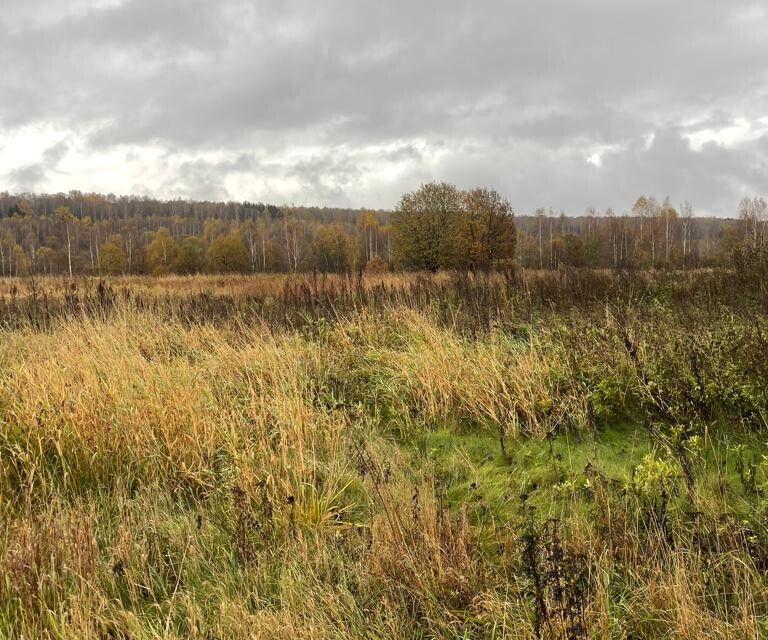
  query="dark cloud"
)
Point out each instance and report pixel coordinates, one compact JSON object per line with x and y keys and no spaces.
{"x":352,"y":102}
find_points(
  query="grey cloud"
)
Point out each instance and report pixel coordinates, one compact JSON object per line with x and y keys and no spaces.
{"x":202,"y":179}
{"x":716,"y":177}
{"x":29,"y":177}
{"x":53,"y":155}
{"x":518,"y":92}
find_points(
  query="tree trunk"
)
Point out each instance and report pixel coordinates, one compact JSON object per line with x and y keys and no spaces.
{"x":69,"y":251}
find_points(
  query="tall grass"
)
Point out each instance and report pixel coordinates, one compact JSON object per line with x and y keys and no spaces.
{"x":399,"y":462}
{"x":468,"y":302}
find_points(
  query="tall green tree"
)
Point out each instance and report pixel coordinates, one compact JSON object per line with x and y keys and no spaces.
{"x":190,"y":257}
{"x":425,"y":227}
{"x":442,"y":227}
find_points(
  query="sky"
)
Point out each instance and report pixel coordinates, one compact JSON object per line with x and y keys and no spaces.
{"x":564,"y":104}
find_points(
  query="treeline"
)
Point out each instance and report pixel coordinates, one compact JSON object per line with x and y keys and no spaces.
{"x":437,"y":226}
{"x":653,"y":235}
{"x":88,"y":233}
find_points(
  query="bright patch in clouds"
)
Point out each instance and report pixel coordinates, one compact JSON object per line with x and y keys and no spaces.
{"x":596,"y":156}
{"x":26,"y":145}
{"x":742,"y":130}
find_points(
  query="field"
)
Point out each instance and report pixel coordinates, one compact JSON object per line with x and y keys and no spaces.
{"x":560,"y":455}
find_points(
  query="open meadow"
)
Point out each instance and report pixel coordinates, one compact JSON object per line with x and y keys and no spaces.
{"x":570,"y":454}
{"x":383,"y":320}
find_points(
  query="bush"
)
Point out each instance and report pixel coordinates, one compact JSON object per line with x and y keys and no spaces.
{"x":375,"y":265}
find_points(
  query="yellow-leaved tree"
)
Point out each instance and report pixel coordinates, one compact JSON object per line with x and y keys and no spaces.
{"x":228,"y":254}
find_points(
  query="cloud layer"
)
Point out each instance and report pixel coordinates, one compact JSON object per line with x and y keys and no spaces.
{"x":555,"y":104}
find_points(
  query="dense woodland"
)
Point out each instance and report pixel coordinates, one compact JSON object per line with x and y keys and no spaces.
{"x":89,"y":233}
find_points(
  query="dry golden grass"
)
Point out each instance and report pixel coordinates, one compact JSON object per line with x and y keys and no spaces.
{"x":233,"y":285}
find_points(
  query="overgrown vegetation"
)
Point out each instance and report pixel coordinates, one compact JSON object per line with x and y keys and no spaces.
{"x":566,"y":455}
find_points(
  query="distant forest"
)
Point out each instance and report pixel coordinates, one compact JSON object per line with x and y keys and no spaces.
{"x":89,"y":233}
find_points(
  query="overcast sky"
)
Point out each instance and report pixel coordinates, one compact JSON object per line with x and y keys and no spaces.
{"x":564,"y":104}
